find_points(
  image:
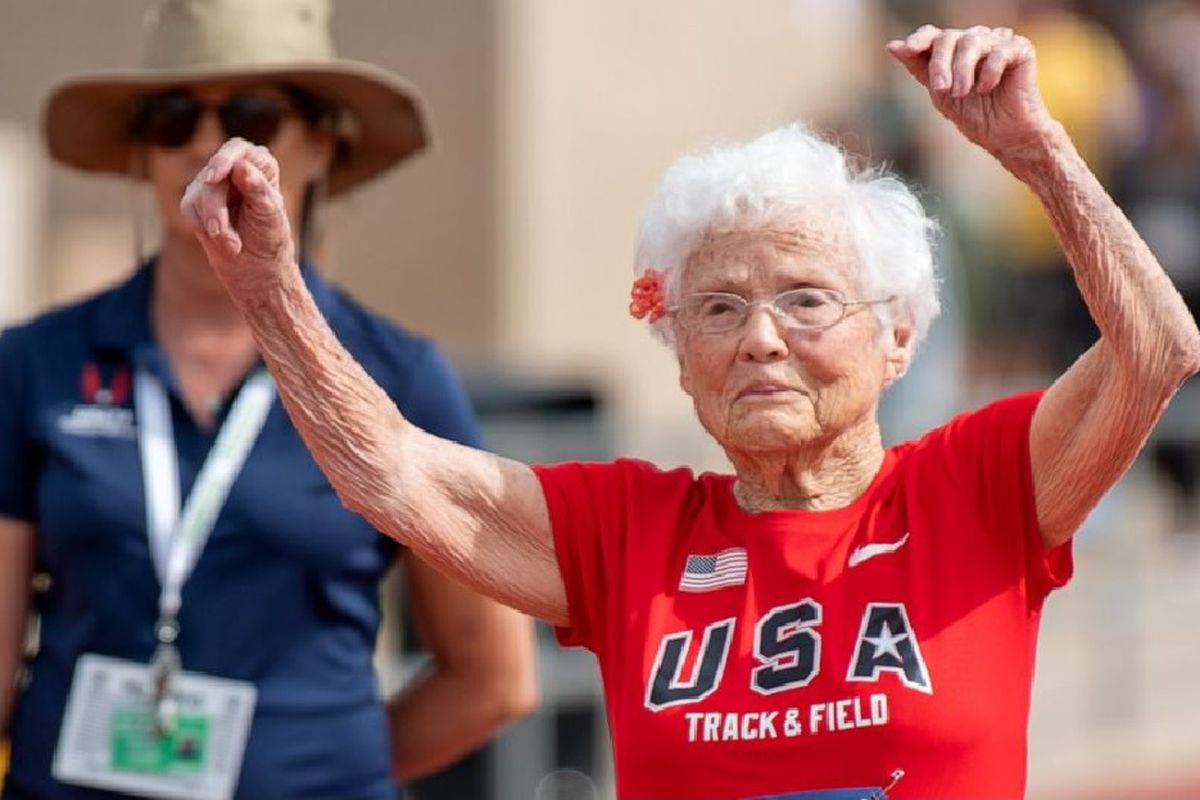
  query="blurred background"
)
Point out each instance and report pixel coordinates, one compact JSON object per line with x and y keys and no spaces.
{"x":510,"y":243}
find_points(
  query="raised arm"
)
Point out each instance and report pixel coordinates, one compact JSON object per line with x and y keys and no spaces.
{"x":1095,"y":418}
{"x":476,"y":517}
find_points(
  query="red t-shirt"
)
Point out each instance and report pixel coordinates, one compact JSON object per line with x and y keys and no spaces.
{"x":753,"y":654}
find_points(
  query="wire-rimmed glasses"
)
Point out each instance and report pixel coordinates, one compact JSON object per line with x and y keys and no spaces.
{"x":806,"y":308}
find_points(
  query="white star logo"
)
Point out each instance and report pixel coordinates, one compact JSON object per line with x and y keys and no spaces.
{"x":885,"y":643}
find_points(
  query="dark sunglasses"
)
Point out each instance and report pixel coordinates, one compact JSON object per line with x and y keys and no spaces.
{"x":170,"y":119}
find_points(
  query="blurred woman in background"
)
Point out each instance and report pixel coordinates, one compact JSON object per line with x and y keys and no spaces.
{"x":147,"y":471}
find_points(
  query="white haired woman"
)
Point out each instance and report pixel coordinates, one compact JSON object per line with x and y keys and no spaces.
{"x":836,"y":619}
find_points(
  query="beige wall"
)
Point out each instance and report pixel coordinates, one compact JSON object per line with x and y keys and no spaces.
{"x":20,"y":212}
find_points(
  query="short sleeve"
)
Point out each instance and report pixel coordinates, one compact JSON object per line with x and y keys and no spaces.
{"x":989,"y":451}
{"x":437,"y":402}
{"x":17,"y":471}
{"x":587,"y":505}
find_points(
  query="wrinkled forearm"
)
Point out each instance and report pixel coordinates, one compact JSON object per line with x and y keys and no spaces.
{"x":349,"y":424}
{"x":1141,"y":317}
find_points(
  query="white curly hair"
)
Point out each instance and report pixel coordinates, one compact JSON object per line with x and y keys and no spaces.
{"x":782,"y":176}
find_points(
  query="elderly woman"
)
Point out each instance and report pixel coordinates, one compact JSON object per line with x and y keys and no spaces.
{"x":835,"y":617}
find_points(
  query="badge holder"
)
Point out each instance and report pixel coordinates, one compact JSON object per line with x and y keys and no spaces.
{"x":163,"y":668}
{"x":155,"y":730}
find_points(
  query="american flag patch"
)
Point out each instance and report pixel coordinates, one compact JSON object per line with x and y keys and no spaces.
{"x":705,"y":573}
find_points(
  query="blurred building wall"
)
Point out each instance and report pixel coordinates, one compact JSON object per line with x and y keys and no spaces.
{"x":20,"y":211}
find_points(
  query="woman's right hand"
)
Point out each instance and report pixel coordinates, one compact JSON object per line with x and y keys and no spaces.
{"x":237,"y":212}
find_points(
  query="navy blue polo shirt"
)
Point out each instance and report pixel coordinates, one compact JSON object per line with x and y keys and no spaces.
{"x":284,"y":594}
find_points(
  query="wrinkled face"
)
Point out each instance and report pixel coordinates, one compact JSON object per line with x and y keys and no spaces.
{"x":764,"y":387}
{"x":304,"y":154}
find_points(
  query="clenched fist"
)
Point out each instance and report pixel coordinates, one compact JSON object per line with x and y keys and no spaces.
{"x":237,"y":212}
{"x":984,"y":80}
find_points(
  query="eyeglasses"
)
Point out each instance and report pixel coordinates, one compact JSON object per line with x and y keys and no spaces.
{"x":170,"y":119}
{"x":805,"y":309}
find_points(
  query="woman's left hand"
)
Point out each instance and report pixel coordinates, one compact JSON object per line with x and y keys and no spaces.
{"x":984,"y":80}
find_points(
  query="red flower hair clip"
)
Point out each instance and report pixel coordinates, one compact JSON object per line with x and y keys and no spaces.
{"x":648,"y":297}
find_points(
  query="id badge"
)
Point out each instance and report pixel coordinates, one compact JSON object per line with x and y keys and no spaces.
{"x":110,"y":739}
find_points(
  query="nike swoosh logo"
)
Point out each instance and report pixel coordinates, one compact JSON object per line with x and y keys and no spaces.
{"x":868,"y":551}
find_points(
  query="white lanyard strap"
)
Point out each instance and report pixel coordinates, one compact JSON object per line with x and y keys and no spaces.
{"x":177,"y":536}
{"x":160,"y":467}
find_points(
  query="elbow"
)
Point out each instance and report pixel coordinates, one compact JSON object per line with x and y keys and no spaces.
{"x":1159,"y":370}
{"x":351,"y":498}
{"x":367,"y":466}
{"x":512,"y":690}
{"x":513,"y":698}
{"x":1188,"y":348}
{"x":1191,"y":359}
{"x":516,"y":708}
{"x":378,"y":492}
{"x":521,"y":703}
{"x":1184,"y":360}
{"x":371,"y":505}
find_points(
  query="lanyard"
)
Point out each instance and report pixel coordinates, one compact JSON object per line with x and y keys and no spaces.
{"x":178,"y":535}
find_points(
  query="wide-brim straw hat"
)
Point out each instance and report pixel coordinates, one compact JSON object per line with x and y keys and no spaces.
{"x":87,"y":118}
